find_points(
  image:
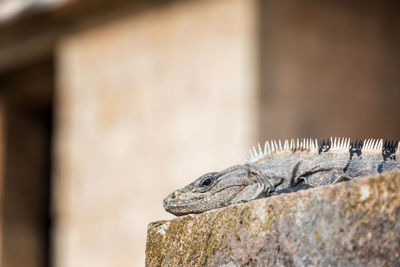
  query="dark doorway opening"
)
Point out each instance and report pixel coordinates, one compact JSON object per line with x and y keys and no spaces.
{"x":26,"y":95}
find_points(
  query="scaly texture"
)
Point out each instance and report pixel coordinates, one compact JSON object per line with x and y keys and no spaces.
{"x":277,"y":169}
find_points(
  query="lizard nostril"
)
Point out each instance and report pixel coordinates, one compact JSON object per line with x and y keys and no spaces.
{"x":165,"y":201}
{"x":174,"y":195}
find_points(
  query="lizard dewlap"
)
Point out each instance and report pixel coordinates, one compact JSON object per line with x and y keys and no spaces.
{"x":276,"y":169}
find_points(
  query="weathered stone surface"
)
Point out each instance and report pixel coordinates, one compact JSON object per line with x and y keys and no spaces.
{"x":355,"y":222}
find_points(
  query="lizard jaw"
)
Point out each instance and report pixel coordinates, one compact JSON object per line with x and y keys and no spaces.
{"x":182,"y":203}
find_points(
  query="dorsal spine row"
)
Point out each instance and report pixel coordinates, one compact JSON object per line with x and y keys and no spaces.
{"x":323,"y":145}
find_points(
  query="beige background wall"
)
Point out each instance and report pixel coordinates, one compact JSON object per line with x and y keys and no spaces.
{"x":146,"y":104}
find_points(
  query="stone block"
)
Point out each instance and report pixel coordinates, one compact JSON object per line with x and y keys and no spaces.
{"x":351,"y":223}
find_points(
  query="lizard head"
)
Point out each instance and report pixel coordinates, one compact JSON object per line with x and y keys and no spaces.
{"x":210,"y":191}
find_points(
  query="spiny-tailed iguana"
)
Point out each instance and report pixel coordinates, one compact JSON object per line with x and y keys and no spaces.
{"x":275,"y":169}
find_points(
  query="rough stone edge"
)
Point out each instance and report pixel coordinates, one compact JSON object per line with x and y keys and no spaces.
{"x":167,"y":236}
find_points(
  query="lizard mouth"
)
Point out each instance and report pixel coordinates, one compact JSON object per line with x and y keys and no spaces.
{"x":174,"y":205}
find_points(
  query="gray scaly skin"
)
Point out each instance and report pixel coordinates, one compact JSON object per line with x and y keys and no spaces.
{"x":275,"y":170}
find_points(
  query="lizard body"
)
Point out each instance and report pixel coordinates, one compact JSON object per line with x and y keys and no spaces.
{"x":277,"y":169}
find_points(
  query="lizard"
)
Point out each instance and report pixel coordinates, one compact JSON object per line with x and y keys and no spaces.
{"x":276,"y":169}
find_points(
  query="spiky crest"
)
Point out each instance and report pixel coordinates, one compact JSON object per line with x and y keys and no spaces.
{"x":323,"y":145}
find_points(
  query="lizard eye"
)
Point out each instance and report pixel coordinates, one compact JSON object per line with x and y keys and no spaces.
{"x":206,"y":182}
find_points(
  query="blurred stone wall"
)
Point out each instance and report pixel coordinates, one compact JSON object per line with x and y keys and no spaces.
{"x":329,"y":68}
{"x":144,"y":105}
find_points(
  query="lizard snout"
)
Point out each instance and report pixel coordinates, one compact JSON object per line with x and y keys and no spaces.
{"x":173,"y":196}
